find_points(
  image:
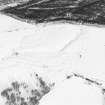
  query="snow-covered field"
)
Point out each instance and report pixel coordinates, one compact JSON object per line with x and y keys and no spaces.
{"x":54,"y":51}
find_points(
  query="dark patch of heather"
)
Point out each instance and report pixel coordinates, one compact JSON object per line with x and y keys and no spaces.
{"x":23,"y":94}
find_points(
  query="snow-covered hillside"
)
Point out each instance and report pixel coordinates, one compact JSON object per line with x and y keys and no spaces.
{"x":54,"y":52}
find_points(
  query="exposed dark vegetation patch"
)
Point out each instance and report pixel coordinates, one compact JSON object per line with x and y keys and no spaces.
{"x":23,"y":94}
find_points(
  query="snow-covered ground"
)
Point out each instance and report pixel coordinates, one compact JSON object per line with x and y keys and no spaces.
{"x":54,"y":51}
{"x":73,"y":92}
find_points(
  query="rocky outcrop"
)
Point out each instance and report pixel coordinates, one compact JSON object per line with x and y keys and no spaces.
{"x":70,"y":11}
